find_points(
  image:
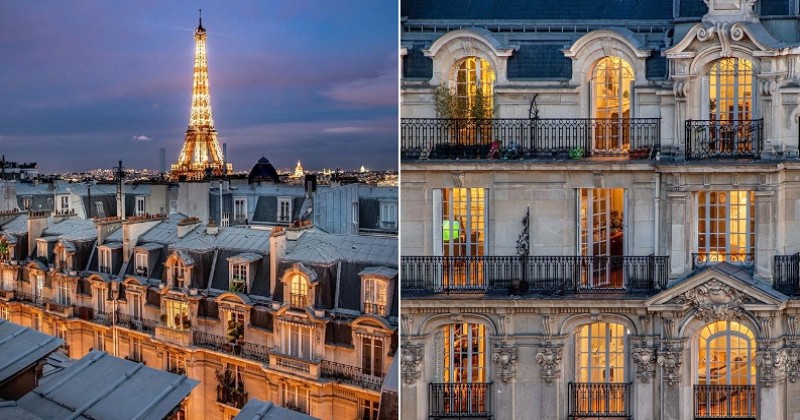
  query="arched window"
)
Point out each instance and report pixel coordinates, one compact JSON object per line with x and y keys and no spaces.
{"x":474,"y":88}
{"x":464,"y":388}
{"x":600,"y":388}
{"x":612,"y":80}
{"x":726,"y":371}
{"x":298,"y":295}
{"x":730,"y":89}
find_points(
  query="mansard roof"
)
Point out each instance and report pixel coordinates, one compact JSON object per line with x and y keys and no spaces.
{"x":536,"y":9}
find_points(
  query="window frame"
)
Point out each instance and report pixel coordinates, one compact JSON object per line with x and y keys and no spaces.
{"x":388,"y":216}
{"x":104,"y":256}
{"x":284,"y":217}
{"x":706,"y":219}
{"x":140,"y":205}
{"x":141,"y":263}
{"x":239,"y":273}
{"x":375,"y":296}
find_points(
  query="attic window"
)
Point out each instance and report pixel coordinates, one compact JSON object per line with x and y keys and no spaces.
{"x":284,"y":210}
{"x":141,"y":264}
{"x":179,"y":275}
{"x":374,"y":296}
{"x":389,"y":215}
{"x":41,"y":249}
{"x":298,"y":295}
{"x":139,"y":206}
{"x":64,"y":203}
{"x":64,"y":259}
{"x":104,"y":261}
{"x":239,"y":276}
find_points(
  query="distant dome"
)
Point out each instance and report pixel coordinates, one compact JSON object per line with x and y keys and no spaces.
{"x":263,"y":171}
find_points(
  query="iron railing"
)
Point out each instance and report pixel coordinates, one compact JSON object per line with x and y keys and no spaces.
{"x":724,"y":139}
{"x":352,"y":374}
{"x":534,"y":274}
{"x":703,"y":260}
{"x":222,"y":344}
{"x":136,"y":323}
{"x":35,"y":300}
{"x":518,"y":138}
{"x":375,"y":308}
{"x":603,"y":399}
{"x":460,"y":399}
{"x":786,"y":274}
{"x":724,"y":401}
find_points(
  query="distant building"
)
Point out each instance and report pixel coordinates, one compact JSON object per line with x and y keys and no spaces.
{"x":298,"y":171}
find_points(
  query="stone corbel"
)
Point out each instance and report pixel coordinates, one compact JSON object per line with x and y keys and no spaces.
{"x":411,"y":361}
{"x":506,"y":359}
{"x":771,"y":367}
{"x":550,"y":360}
{"x":670,"y":362}
{"x":645,"y":360}
{"x":792,"y":364}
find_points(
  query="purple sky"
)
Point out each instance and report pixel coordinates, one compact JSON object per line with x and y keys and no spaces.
{"x":85,"y":83}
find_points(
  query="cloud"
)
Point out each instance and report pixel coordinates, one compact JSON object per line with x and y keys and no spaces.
{"x":376,"y":91}
{"x":345,"y":130}
{"x":141,"y":138}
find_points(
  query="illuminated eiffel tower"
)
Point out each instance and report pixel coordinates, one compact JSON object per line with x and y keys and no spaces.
{"x":201,"y":152}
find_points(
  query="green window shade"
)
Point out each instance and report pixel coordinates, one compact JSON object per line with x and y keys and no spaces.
{"x":450,"y":229}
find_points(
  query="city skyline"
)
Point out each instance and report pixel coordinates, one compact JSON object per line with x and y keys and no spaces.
{"x":89,"y":83}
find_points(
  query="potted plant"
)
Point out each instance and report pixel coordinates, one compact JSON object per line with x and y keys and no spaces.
{"x":576,"y":153}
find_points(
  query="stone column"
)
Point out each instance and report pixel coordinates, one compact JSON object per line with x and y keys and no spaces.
{"x":771,"y":380}
{"x":549,"y":357}
{"x":674,"y":400}
{"x":642,"y":397}
{"x":766,"y":240}
{"x":504,"y":359}
{"x":414,"y":400}
{"x":679,"y":234}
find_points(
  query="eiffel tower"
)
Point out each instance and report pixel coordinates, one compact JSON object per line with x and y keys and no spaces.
{"x":201,"y":153}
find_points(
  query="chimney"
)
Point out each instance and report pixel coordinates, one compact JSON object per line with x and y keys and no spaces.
{"x":277,"y":249}
{"x":120,"y":173}
{"x":211,"y":227}
{"x":37,"y":223}
{"x":311,"y":185}
{"x":187,"y":225}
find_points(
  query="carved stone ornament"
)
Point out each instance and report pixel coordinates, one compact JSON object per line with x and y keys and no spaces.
{"x":793,"y":364}
{"x":716,"y":301}
{"x":550,"y":359}
{"x":724,"y":32}
{"x":680,"y":88}
{"x":506,"y":358}
{"x":411,"y":362}
{"x":771,"y":367}
{"x":670,"y":362}
{"x":645,"y":360}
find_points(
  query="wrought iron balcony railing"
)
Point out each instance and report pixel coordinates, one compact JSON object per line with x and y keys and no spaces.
{"x":704,"y":259}
{"x":136,"y":323}
{"x":786,"y":274}
{"x":520,"y":138}
{"x":222,"y":344}
{"x":352,"y":374}
{"x":35,"y":300}
{"x":725,"y":401}
{"x":460,"y":399}
{"x":724,"y":139}
{"x":534,"y":274}
{"x":603,"y":399}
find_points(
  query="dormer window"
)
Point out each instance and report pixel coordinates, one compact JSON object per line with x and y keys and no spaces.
{"x":298,"y":295}
{"x":178,"y":274}
{"x":64,"y":259}
{"x":177,"y":316}
{"x":64,"y":204}
{"x":240,"y":210}
{"x":41,"y":249}
{"x":374,"y":296}
{"x":104,"y":261}
{"x":141,"y":263}
{"x":179,"y":270}
{"x":389,"y":215}
{"x":239,"y":278}
{"x":284,"y":210}
{"x":139,"y":209}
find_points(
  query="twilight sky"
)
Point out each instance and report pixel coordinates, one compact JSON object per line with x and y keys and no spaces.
{"x":85,"y":83}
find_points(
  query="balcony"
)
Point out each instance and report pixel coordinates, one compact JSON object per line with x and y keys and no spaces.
{"x":725,"y":401}
{"x":375,"y":308}
{"x":556,"y":275}
{"x":544,"y":138}
{"x":603,"y":399}
{"x":136,"y":323}
{"x":786,"y":274}
{"x":303,"y":367}
{"x":59,"y":309}
{"x":7,"y":295}
{"x":222,"y":344}
{"x":181,"y":338}
{"x":352,"y":375}
{"x":460,"y":400}
{"x":732,"y":139}
{"x":35,"y":300}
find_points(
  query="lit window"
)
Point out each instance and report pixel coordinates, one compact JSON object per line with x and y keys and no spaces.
{"x":38,"y":285}
{"x":298,"y":294}
{"x":135,"y":305}
{"x":601,"y":235}
{"x":600,"y":349}
{"x":176,"y":363}
{"x":730,"y":89}
{"x":463,"y":388}
{"x":369,"y":409}
{"x":178,"y":274}
{"x":177,"y":316}
{"x":726,"y":226}
{"x":140,"y":206}
{"x":372,"y":356}
{"x":235,"y":322}
{"x":141,"y":263}
{"x":389,"y":215}
{"x":284,"y":210}
{"x":297,"y":340}
{"x":41,"y":249}
{"x":613,"y":80}
{"x":726,"y":371}
{"x":374,"y":297}
{"x":474,"y":89}
{"x":238,"y":281}
{"x":104,"y":262}
{"x":295,"y":398}
{"x":460,"y":232}
{"x":99,"y":293}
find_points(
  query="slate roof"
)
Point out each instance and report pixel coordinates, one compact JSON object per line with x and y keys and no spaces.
{"x":21,"y":347}
{"x":164,"y":232}
{"x":18,"y":225}
{"x":540,"y":61}
{"x":234,"y":237}
{"x":72,"y":228}
{"x":536,"y":9}
{"x":257,"y":410}
{"x":375,"y":250}
{"x":101,"y":386}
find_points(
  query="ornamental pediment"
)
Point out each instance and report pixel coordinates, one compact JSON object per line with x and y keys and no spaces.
{"x":723,"y":291}
{"x":727,"y":37}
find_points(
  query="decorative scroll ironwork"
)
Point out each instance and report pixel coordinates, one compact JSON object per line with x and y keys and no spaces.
{"x":460,"y":400}
{"x":521,"y":138}
{"x":353,"y":375}
{"x":725,"y":401}
{"x":724,"y":139}
{"x":786,"y":272}
{"x":602,"y":399}
{"x":703,"y":260}
{"x":524,"y":240}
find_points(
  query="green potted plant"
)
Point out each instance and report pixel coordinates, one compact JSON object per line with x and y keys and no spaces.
{"x":576,"y":153}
